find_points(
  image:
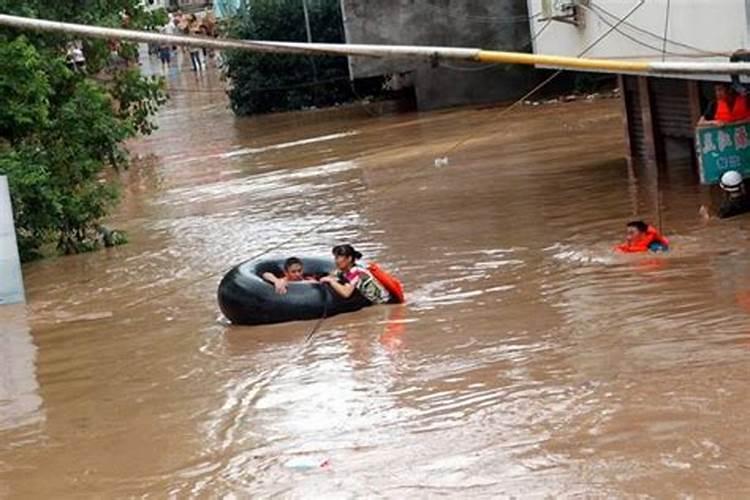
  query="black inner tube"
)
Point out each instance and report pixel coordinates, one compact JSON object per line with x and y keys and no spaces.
{"x":245,"y":298}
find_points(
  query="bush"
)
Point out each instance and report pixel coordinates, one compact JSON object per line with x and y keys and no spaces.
{"x":60,"y":128}
{"x":263,"y":83}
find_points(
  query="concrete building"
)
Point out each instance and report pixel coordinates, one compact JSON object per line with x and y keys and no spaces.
{"x":186,"y":5}
{"x":156,"y":4}
{"x":502,"y":25}
{"x":660,"y":114}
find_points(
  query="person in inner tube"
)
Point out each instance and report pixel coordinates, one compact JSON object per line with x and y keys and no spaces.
{"x":351,"y":277}
{"x":294,"y":271}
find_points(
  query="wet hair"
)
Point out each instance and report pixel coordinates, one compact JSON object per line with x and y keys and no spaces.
{"x":291,"y":261}
{"x":346,"y":251}
{"x":639,"y":225}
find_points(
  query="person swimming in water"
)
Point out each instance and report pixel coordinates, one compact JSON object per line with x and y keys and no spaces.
{"x":351,"y":277}
{"x":294,"y":272}
{"x":641,"y":237}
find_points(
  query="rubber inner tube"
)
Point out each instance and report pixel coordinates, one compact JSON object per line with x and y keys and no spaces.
{"x":245,"y":298}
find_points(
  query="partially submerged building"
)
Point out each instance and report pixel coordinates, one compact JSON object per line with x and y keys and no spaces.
{"x":500,"y":25}
{"x":660,"y":114}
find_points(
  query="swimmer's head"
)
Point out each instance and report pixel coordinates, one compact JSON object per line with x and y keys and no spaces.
{"x":635,"y":229}
{"x":294,"y":269}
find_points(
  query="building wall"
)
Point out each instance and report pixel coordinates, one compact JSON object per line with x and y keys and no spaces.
{"x":501,"y":25}
{"x":156,"y":4}
{"x":708,"y":25}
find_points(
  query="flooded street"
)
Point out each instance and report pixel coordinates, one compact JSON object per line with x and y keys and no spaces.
{"x":530,"y":360}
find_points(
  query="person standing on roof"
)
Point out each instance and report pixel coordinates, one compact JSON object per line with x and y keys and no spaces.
{"x":729,"y":105}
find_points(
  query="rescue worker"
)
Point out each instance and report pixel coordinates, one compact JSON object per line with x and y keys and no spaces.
{"x":730,"y":105}
{"x":736,"y":201}
{"x":642,"y":237}
{"x":352,"y":277}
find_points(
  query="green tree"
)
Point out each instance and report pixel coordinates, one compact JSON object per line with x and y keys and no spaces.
{"x":61,"y":127}
{"x":263,"y":83}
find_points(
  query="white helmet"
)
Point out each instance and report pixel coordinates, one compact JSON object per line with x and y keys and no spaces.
{"x":731,"y":181}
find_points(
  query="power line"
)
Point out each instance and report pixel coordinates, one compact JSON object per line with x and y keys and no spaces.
{"x":598,"y":10}
{"x":550,"y":78}
{"x":638,"y":41}
{"x":664,"y":44}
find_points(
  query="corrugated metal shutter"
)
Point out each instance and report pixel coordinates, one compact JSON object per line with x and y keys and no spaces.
{"x":670,"y":102}
{"x":636,"y":128}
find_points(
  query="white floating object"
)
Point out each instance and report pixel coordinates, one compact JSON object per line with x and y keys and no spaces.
{"x":441,"y":162}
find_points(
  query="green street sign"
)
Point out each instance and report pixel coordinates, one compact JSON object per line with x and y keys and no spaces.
{"x":721,"y":148}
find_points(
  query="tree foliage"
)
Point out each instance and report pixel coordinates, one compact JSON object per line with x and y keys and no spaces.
{"x":263,"y":83}
{"x":60,"y":127}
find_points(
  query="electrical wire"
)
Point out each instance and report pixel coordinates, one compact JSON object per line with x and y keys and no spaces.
{"x":597,"y":9}
{"x":666,"y":30}
{"x":547,"y":80}
{"x":647,"y":45}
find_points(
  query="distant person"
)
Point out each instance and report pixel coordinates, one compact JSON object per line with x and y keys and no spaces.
{"x":730,"y":105}
{"x":165,"y":55}
{"x":642,"y":237}
{"x":352,"y":277}
{"x":194,"y":28}
{"x":75,"y":58}
{"x":736,"y":201}
{"x":294,"y":272}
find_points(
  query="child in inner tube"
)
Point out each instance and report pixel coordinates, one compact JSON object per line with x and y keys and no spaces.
{"x":294,"y":271}
{"x":351,"y":277}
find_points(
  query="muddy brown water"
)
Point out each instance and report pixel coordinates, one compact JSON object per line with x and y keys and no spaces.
{"x":529,"y":362}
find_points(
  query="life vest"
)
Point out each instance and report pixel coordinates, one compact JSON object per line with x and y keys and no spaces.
{"x":390,"y":283}
{"x":741,"y":109}
{"x":723,"y":111}
{"x":643,"y":243}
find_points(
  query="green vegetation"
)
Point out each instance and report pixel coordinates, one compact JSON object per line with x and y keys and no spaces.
{"x":62,"y":127}
{"x":263,"y":83}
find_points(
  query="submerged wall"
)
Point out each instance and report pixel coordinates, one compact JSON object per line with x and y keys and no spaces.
{"x":11,"y":283}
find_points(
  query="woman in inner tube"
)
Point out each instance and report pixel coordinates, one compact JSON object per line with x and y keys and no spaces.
{"x":352,"y":277}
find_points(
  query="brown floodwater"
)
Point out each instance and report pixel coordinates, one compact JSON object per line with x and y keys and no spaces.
{"x":530,"y":361}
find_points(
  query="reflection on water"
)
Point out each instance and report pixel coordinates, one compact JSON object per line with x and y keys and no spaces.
{"x":529,"y":361}
{"x":20,"y":404}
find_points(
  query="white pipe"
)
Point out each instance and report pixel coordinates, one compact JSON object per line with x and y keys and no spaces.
{"x":384,"y":51}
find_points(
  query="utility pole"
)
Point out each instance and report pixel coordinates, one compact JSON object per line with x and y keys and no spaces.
{"x":307,"y":21}
{"x":309,"y":38}
{"x":11,"y":280}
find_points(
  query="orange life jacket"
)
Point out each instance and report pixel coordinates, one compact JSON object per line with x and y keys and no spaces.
{"x":390,"y":283}
{"x":643,"y":243}
{"x":741,"y":109}
{"x":723,"y":111}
